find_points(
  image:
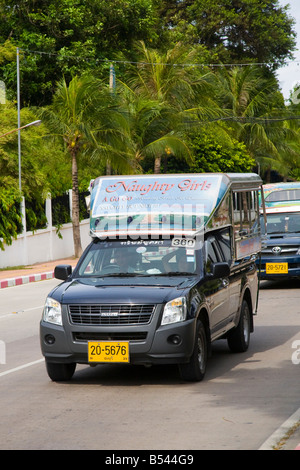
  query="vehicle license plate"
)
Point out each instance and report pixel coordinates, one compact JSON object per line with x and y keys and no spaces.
{"x":276,"y":268}
{"x":108,"y":351}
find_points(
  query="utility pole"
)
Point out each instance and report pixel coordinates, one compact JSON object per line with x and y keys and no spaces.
{"x":112,"y":77}
{"x":112,"y":86}
{"x":19,"y":118}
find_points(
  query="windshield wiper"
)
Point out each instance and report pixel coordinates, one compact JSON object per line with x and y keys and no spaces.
{"x":175,"y":273}
{"x":122,"y":275}
{"x":172,"y":273}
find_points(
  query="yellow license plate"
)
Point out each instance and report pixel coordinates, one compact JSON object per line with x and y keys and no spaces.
{"x":277,"y":268}
{"x":108,"y":351}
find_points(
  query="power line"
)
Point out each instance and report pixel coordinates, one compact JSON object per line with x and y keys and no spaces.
{"x":241,"y":119}
{"x":256,"y":119}
{"x":116,"y":61}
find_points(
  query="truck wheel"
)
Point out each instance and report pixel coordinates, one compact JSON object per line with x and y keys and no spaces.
{"x":60,"y":372}
{"x":238,"y":339}
{"x":194,"y":370}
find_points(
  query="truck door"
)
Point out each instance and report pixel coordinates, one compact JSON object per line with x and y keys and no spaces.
{"x":216,"y":290}
{"x":224,"y":241}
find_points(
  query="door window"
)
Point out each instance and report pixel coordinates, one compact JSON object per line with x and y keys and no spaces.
{"x":218,"y":248}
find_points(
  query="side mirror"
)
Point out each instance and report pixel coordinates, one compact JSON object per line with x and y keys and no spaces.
{"x":62,"y":271}
{"x":219,"y":270}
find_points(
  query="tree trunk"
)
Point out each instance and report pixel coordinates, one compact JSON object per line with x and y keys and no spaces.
{"x":75,"y":208}
{"x":268,"y":175}
{"x":108,"y":167}
{"x":157,"y":163}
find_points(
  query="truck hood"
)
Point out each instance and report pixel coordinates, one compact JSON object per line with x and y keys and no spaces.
{"x":121,"y":290}
{"x":286,"y":238}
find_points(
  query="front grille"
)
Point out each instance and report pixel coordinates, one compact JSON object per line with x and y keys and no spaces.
{"x":110,"y":314}
{"x":133,"y":336}
{"x":285,"y":250}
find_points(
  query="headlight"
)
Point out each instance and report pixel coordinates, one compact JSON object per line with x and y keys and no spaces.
{"x":52,"y":311}
{"x":174,"y":311}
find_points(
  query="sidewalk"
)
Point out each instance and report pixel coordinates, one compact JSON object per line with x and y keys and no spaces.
{"x":33,"y":273}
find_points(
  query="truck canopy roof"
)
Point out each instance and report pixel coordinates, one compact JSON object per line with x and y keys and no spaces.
{"x":173,"y":204}
{"x":282,"y":194}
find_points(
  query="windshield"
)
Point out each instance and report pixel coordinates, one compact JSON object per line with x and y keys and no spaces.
{"x":283,"y":223}
{"x":144,"y":258}
{"x":283,"y":195}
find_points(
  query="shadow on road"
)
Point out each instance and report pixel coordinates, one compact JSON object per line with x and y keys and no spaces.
{"x":280,"y":284}
{"x":126,"y":375}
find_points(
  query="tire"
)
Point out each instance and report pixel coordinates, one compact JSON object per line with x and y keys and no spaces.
{"x":194,"y":370}
{"x":238,"y":339}
{"x":60,"y":372}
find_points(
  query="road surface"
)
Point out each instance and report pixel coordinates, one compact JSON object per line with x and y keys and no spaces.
{"x":242,"y":401}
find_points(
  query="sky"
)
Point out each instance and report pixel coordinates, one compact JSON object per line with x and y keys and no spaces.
{"x":289,"y":75}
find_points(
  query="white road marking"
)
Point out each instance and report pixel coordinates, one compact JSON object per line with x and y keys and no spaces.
{"x":16,"y":369}
{"x":21,"y":311}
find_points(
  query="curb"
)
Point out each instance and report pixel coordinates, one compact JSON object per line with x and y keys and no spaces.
{"x":26,"y":279}
{"x":287,"y":431}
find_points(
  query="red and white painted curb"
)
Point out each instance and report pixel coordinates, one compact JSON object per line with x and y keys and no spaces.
{"x":17,"y":281}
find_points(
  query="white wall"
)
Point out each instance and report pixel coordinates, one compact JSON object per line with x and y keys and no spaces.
{"x":43,"y":245}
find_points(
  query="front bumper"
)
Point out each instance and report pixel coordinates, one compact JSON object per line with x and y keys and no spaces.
{"x":293,"y":267}
{"x":150,"y":344}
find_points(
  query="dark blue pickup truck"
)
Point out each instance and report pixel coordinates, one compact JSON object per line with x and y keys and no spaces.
{"x":170,"y":269}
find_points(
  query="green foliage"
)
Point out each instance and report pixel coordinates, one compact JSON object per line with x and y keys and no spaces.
{"x":212,"y":155}
{"x":43,"y":168}
{"x":35,"y":214}
{"x":7,"y":52}
{"x":248,"y":30}
{"x":69,"y":37}
{"x":64,"y":52}
{"x":61,"y":208}
{"x":10,"y":216}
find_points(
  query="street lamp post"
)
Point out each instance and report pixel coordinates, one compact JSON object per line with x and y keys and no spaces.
{"x":34,"y":123}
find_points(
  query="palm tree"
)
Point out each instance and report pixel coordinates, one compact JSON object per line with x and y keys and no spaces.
{"x":152,"y":129}
{"x":162,"y":90}
{"x":290,"y":156}
{"x":256,"y":115}
{"x":83,"y":117}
